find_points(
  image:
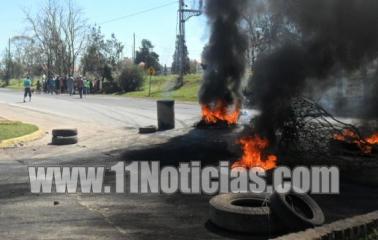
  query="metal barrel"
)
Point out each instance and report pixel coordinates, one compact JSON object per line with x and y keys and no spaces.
{"x":166,"y":114}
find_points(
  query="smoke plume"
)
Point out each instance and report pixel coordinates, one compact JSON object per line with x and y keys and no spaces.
{"x":334,"y":35}
{"x":224,"y":56}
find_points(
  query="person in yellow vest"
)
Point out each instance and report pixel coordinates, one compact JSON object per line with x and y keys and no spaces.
{"x":87,"y":86}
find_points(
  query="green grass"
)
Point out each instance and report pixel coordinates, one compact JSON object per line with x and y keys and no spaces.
{"x":18,"y":84}
{"x":161,"y":88}
{"x":9,"y":130}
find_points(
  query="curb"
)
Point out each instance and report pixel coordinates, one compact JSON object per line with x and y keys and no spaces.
{"x":350,"y":228}
{"x":9,"y":143}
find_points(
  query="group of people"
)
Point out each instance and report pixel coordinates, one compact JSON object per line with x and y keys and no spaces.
{"x":58,"y":85}
{"x":69,"y":85}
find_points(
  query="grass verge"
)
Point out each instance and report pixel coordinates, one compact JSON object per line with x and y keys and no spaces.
{"x":161,"y":87}
{"x":16,"y":84}
{"x":9,"y":130}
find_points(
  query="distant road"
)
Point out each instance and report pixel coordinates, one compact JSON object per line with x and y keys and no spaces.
{"x":103,"y":110}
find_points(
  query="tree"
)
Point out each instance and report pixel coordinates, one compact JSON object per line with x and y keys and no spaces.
{"x":176,"y":58}
{"x":75,"y":30}
{"x":94,"y":58}
{"x":7,"y":66}
{"x":59,"y":33}
{"x":13,"y":64}
{"x":113,"y":50}
{"x":27,"y":55}
{"x":264,"y":26}
{"x":101,"y":57}
{"x":165,"y":70}
{"x":147,"y":55}
{"x":131,"y":78}
{"x":193,"y":67}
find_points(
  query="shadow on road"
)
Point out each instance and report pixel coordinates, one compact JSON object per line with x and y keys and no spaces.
{"x":207,"y":146}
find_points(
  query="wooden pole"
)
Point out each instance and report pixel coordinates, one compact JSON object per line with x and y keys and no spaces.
{"x":149,"y":90}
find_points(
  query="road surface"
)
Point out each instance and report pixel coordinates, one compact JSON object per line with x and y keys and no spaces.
{"x":102,"y":110}
{"x":108,"y":126}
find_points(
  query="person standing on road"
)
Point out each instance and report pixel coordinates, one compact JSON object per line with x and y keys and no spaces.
{"x":70,"y":85}
{"x":50,"y":85}
{"x":91,"y":87}
{"x":57,"y":85}
{"x":27,"y":87}
{"x":39,"y":87}
{"x":80,"y":86}
{"x":62,"y":85}
{"x":87,"y":87}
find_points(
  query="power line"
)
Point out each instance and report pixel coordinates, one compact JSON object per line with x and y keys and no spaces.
{"x":138,"y":13}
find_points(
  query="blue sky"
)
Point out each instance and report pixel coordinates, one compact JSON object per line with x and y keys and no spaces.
{"x":159,"y":25}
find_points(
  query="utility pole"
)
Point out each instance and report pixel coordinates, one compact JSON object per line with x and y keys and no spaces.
{"x":9,"y":63}
{"x":134,"y":55}
{"x":184,"y":15}
{"x":181,"y":41}
{"x":9,"y":49}
{"x":9,"y":58}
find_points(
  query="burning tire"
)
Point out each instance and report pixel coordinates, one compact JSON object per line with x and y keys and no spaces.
{"x":297,"y":211}
{"x":243,"y":212}
{"x":64,"y":132}
{"x":64,"y":140}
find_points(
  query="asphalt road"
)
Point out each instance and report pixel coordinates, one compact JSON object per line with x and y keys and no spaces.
{"x":102,"y":110}
{"x":107,"y":127}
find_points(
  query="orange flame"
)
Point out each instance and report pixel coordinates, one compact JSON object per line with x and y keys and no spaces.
{"x":350,"y":136}
{"x":346,"y":134}
{"x":253,"y":148}
{"x":220,"y":112}
{"x":373,"y":139}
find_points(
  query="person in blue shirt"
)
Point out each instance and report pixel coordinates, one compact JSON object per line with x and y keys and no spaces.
{"x":50,"y":85}
{"x":27,"y":87}
{"x":70,"y":85}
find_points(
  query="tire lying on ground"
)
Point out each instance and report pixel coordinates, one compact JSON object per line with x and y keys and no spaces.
{"x":296,"y":211}
{"x":64,"y":140}
{"x":148,"y":129}
{"x":243,"y":212}
{"x":64,"y":132}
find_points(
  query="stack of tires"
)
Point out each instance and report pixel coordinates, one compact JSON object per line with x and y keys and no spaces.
{"x":64,"y":136}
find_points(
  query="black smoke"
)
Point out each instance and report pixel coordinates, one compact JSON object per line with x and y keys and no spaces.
{"x":224,"y":55}
{"x":334,"y":35}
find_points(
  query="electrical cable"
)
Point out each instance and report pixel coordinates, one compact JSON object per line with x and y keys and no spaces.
{"x":138,"y":13}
